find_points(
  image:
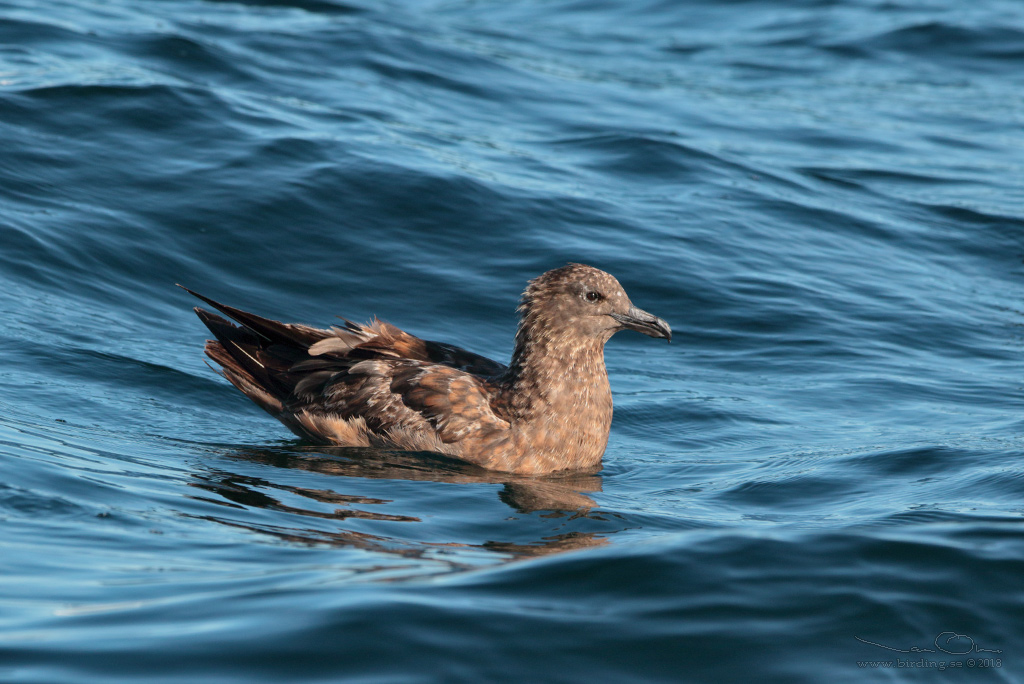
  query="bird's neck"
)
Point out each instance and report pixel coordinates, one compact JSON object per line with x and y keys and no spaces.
{"x":559,"y":399}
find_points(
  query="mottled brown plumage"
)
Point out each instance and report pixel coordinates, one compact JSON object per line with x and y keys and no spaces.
{"x":375,"y":385}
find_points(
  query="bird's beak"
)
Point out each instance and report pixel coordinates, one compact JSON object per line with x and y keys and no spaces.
{"x":641,"y":321}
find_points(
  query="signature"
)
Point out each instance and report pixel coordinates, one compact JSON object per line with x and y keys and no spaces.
{"x":947,"y":642}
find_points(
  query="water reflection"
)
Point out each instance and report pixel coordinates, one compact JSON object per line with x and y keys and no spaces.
{"x":561,"y":499}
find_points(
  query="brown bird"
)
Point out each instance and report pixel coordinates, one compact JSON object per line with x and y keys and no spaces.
{"x":375,"y":385}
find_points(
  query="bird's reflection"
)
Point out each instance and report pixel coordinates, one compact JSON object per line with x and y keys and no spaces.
{"x":561,"y":497}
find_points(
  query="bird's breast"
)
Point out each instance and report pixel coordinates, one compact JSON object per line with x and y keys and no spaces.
{"x":569,"y":419}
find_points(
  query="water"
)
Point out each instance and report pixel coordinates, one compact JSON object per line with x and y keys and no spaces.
{"x":823,"y":198}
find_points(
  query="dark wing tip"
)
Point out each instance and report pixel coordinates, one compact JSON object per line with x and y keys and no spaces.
{"x":216,"y":305}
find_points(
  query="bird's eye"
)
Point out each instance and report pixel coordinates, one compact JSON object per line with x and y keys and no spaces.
{"x":594,"y":296}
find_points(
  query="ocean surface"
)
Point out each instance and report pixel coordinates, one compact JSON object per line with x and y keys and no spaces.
{"x":820,"y":479}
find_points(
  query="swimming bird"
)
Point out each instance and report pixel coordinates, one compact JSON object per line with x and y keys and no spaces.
{"x":550,"y":409}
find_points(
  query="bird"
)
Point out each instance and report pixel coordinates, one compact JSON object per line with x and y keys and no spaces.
{"x":375,"y":385}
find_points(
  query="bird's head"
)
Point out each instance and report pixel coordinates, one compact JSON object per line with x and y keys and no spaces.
{"x":584,"y":301}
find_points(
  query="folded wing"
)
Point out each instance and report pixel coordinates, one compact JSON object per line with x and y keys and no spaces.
{"x":360,"y":384}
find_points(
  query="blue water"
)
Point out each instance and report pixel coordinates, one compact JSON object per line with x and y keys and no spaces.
{"x":825,"y":198}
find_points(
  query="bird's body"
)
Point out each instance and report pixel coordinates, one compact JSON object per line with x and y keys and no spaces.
{"x":376,"y":385}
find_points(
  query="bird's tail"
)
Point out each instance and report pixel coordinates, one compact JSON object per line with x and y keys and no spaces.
{"x":258,"y":355}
